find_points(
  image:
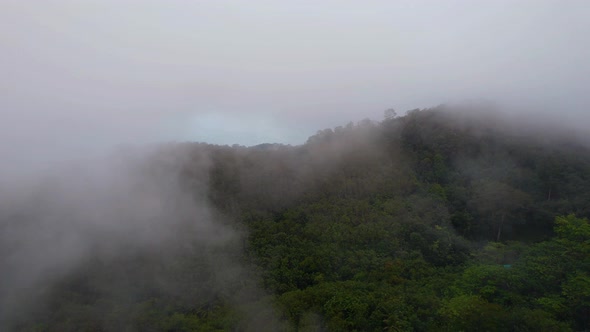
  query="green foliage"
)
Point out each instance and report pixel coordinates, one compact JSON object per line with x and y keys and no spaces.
{"x":471,"y":312}
{"x":428,"y":222}
{"x":572,"y":231}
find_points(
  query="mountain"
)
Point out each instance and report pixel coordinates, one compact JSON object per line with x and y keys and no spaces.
{"x":439,"y":220}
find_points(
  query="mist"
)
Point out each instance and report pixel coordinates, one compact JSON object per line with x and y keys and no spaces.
{"x":113,"y":211}
{"x":261,"y":72}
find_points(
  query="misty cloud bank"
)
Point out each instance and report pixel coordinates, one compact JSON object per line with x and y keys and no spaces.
{"x":203,"y":70}
{"x":105,"y":216}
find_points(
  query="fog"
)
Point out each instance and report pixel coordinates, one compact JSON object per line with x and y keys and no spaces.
{"x":263,"y":71}
{"x":127,"y":221}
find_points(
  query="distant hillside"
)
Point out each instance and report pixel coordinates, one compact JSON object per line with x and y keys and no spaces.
{"x":480,"y":167}
{"x":439,"y":220}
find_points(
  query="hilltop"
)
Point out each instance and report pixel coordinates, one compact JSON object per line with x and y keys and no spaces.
{"x":438,"y":220}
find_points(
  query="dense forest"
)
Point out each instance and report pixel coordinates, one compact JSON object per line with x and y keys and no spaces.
{"x":437,"y":220}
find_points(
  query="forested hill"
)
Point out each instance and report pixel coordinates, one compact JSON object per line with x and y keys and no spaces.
{"x":486,"y":177}
{"x":434,"y":221}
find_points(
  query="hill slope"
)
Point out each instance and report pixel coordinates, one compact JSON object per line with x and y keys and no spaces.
{"x":437,"y":220}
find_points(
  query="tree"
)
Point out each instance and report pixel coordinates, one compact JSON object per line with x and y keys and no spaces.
{"x":498,"y":203}
{"x":389,"y":114}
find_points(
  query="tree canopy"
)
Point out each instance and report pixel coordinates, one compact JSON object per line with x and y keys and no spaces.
{"x":431,"y":221}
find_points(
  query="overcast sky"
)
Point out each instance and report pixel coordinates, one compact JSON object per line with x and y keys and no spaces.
{"x":77,"y":73}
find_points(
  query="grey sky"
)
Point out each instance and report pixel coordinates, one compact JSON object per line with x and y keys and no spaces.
{"x":78,"y":73}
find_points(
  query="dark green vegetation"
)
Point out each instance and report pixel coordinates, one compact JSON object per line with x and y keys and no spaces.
{"x":434,"y":221}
